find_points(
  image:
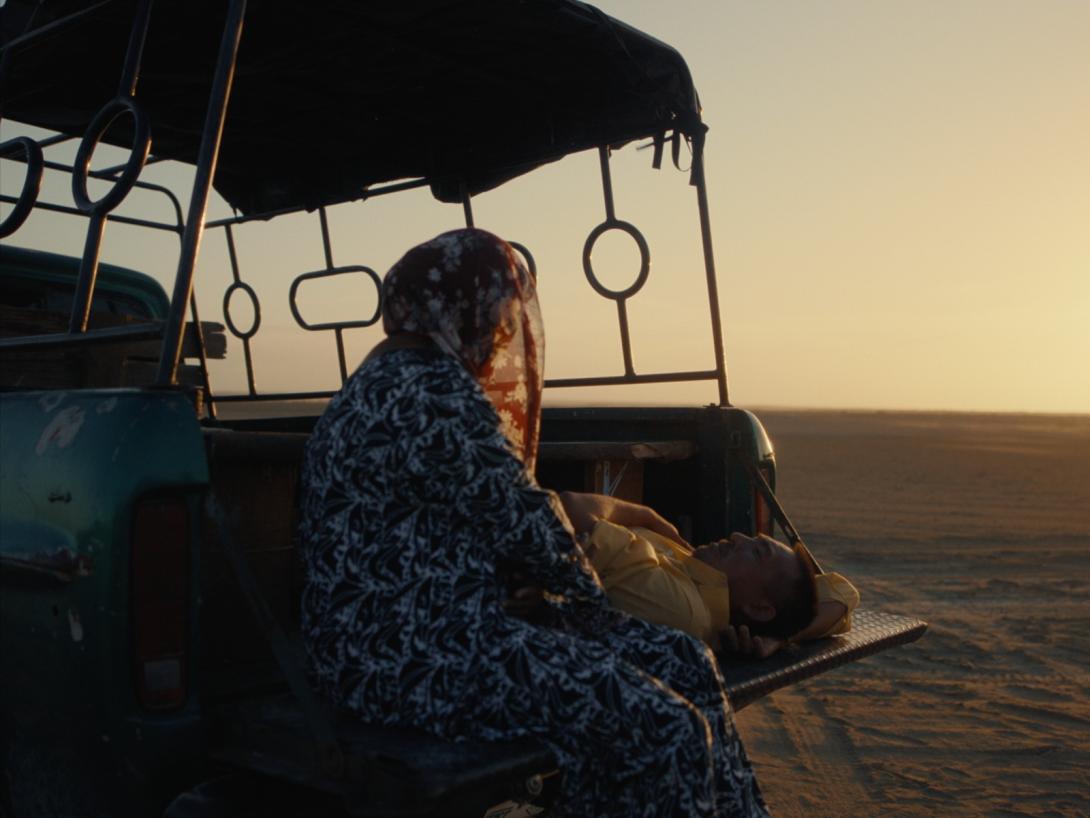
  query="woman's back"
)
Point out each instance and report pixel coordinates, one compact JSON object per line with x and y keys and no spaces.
{"x":412,"y":496}
{"x":390,"y":570}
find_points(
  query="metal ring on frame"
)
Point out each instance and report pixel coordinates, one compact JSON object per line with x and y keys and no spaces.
{"x":335,"y":271}
{"x":531,"y":265}
{"x":645,"y":259}
{"x":230,"y":291}
{"x":141,"y":147}
{"x":32,"y":183}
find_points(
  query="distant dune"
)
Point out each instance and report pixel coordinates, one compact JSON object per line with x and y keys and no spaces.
{"x":979,"y":524}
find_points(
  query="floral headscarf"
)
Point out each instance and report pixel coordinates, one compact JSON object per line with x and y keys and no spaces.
{"x":468,"y":291}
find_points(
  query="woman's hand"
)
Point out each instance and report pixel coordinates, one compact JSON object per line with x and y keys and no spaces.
{"x":583,"y":509}
{"x":524,"y":597}
{"x":524,"y":602}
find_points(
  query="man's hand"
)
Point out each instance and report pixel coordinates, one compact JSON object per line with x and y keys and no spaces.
{"x":739,"y":640}
{"x":582,"y":509}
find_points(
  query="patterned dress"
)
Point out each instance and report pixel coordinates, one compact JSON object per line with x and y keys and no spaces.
{"x":414,"y":500}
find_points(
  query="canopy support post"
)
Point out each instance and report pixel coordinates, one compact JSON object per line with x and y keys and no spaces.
{"x":700,"y":183}
{"x":202,"y":186}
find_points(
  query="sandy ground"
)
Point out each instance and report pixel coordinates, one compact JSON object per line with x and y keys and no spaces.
{"x":979,"y":524}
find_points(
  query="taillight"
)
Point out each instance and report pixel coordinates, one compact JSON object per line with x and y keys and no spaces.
{"x":160,"y":600}
{"x":762,"y":513}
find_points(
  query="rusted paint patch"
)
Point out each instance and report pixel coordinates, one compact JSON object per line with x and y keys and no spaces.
{"x":62,"y":430}
{"x":75,"y":627}
{"x":50,"y":401}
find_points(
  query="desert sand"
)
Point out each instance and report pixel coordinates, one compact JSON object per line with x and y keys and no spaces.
{"x":979,"y":524}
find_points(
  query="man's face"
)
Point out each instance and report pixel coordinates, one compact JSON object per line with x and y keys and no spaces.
{"x":755,"y":568}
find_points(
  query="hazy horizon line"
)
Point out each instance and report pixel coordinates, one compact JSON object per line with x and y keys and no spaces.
{"x":234,"y":407}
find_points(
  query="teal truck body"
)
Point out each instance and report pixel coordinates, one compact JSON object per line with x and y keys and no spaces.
{"x":79,"y":468}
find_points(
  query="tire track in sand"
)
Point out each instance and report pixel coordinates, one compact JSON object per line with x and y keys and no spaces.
{"x":791,"y":733}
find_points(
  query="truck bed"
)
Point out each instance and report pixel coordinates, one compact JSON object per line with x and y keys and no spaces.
{"x":378,"y":771}
{"x":393,"y":771}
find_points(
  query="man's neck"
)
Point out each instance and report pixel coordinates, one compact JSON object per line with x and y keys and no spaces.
{"x":710,"y":556}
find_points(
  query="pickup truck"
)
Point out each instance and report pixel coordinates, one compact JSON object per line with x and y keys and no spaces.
{"x":149,"y":656}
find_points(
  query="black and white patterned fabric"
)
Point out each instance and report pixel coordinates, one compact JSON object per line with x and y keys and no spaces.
{"x":413,"y":501}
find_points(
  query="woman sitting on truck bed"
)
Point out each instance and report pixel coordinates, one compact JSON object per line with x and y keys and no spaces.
{"x":418,"y":496}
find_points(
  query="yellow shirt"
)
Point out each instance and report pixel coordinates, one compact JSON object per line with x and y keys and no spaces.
{"x":658,"y":580}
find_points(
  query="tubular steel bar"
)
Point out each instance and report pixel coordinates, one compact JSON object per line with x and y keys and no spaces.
{"x":330,"y":271}
{"x":327,"y":393}
{"x":239,"y":284}
{"x":758,"y":480}
{"x":130,"y":73}
{"x":56,"y":139}
{"x":339,"y":332}
{"x":106,"y":335}
{"x":613,"y":380}
{"x":198,"y":329}
{"x":264,"y":216}
{"x":48,"y":30}
{"x":202,"y":184}
{"x":394,"y":187}
{"x":467,"y":205}
{"x":709,"y":264}
{"x":293,"y":295}
{"x":110,"y":171}
{"x":369,"y":193}
{"x":32,"y":183}
{"x":641,"y":245}
{"x":626,"y":342}
{"x":607,"y":182}
{"x":71,"y":211}
{"x":620,"y":296}
{"x":531,"y":264}
{"x":88,"y":272}
{"x":141,"y":147}
{"x":327,"y":247}
{"x":108,"y":174}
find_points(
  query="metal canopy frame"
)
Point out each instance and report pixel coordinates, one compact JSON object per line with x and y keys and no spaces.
{"x":191,"y":229}
{"x":125,"y":179}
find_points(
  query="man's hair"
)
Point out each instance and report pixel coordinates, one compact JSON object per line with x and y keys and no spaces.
{"x":795,"y":601}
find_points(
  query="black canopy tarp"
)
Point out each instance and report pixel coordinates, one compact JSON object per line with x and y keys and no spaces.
{"x":331,"y":97}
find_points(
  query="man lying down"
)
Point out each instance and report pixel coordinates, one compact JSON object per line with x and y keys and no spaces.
{"x":743,"y":594}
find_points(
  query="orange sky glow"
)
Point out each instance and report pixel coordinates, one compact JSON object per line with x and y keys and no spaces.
{"x":900,"y":196}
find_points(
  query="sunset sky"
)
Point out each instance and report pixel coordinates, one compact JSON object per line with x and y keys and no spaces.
{"x":900,"y":195}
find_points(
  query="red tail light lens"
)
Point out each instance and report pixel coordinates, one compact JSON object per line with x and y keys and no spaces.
{"x":762,"y":513}
{"x":160,"y":600}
